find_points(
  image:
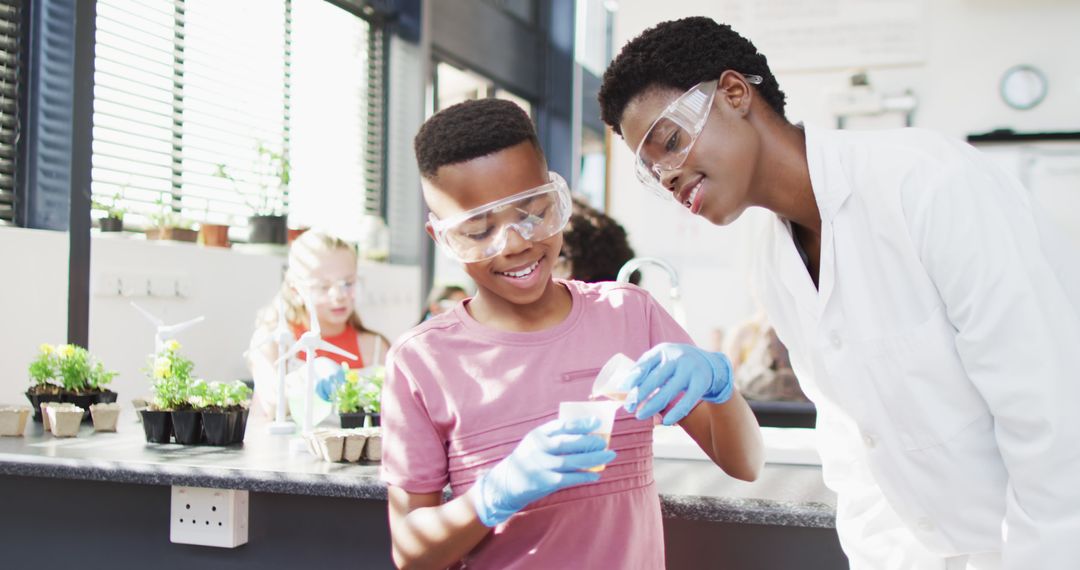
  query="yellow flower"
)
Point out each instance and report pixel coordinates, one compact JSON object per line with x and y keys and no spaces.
{"x":46,"y":348}
{"x":352,"y":376}
{"x":67,"y":351}
{"x":172,"y":346}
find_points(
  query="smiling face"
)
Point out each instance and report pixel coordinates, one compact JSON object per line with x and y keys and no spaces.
{"x":328,"y":278}
{"x":520,"y":274}
{"x":715,"y":179}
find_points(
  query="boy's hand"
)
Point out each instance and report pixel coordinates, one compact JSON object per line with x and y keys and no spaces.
{"x":670,"y":369}
{"x":549,"y":458}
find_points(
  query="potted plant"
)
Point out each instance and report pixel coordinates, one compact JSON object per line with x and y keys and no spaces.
{"x":225,"y":412}
{"x":347,"y":398}
{"x":113,"y":221}
{"x":272,"y":174}
{"x":169,"y":225}
{"x":371,"y":395}
{"x":170,"y":375}
{"x":68,"y":373}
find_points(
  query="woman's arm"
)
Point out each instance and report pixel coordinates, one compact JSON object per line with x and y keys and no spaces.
{"x":261,"y":363}
{"x":425,"y":532}
{"x":729,"y":434}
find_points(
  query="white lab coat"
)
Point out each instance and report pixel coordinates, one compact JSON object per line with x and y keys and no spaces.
{"x":940,"y":349}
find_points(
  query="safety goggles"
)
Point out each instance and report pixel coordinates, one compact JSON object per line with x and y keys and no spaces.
{"x":481,"y":233}
{"x":672,"y":135}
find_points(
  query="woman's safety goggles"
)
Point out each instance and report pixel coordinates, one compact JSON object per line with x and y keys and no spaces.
{"x":481,"y":233}
{"x":672,"y":135}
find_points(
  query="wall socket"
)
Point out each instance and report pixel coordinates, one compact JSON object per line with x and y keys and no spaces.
{"x":209,"y":517}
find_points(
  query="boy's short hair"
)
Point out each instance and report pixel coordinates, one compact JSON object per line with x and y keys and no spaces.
{"x":469,"y":130}
{"x":681,"y":54}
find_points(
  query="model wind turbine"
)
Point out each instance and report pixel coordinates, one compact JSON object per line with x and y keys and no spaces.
{"x":164,"y":332}
{"x":309,"y":342}
{"x":282,"y":336}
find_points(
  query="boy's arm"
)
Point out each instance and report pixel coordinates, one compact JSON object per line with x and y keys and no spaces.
{"x":425,"y":532}
{"x":729,"y":434}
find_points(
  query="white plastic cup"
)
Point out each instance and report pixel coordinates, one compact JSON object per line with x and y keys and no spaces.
{"x":609,"y":382}
{"x":604,"y":409}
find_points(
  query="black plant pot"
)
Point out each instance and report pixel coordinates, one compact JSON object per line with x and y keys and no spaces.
{"x":111,"y":224}
{"x":268,"y":229}
{"x":240,"y":427}
{"x":187,"y":427}
{"x":219,"y":427}
{"x":374,"y":419}
{"x":352,"y":419}
{"x":157,"y":425}
{"x":37,"y":399}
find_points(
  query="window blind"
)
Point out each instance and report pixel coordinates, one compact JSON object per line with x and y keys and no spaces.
{"x":215,"y":111}
{"x":10,"y":25}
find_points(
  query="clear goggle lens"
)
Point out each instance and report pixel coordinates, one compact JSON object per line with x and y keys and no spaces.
{"x":672,"y":135}
{"x":481,"y":233}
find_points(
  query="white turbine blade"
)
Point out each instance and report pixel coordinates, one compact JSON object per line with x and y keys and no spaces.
{"x":185,"y":325}
{"x":292,"y":351}
{"x":327,"y":347}
{"x":157,"y":322}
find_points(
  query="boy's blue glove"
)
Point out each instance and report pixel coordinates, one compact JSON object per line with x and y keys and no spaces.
{"x":549,"y":458}
{"x":673,"y":369}
{"x":327,"y":385}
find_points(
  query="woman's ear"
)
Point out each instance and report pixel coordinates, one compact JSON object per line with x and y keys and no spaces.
{"x":734,"y":90}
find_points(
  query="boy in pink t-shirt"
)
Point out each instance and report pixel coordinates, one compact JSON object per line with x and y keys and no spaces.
{"x":471,"y":395}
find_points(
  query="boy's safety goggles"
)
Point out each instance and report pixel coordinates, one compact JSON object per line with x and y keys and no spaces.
{"x":672,"y":135}
{"x":480,"y":234}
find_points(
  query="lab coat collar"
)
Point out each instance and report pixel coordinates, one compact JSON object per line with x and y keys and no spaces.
{"x":831,"y":190}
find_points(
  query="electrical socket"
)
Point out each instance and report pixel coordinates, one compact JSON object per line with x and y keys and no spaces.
{"x":209,"y":517}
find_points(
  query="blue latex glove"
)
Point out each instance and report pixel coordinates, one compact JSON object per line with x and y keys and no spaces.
{"x":327,"y":385}
{"x":672,"y":369}
{"x":548,"y":458}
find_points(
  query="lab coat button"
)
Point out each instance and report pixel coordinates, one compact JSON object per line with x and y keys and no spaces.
{"x":924,"y":524}
{"x":870,"y":441}
{"x":834,"y":340}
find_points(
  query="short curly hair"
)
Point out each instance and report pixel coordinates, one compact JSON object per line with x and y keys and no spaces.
{"x":595,"y":245}
{"x":681,"y":54}
{"x":469,"y":130}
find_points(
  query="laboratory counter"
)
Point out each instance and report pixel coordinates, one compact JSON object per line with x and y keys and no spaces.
{"x":101,"y":489}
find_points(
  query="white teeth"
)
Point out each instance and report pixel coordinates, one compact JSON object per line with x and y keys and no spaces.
{"x":523,"y":272}
{"x":693,"y":194}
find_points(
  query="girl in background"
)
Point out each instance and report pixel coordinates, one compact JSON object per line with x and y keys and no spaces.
{"x":323,"y":268}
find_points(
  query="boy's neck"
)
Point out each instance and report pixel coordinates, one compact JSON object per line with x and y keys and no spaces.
{"x":549,"y":310}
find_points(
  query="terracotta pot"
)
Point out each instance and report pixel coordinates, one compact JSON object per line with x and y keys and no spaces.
{"x":173,"y":234}
{"x":105,"y":416}
{"x":214,"y":235}
{"x":13,"y":420}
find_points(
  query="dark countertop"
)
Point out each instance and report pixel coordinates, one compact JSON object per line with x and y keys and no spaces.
{"x":784,"y":495}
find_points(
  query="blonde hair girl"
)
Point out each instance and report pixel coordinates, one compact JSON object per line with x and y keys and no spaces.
{"x":322,"y":267}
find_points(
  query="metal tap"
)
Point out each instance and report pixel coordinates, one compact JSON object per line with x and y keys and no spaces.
{"x":636,"y":263}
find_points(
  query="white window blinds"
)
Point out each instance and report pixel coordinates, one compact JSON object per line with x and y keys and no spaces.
{"x":218,"y":110}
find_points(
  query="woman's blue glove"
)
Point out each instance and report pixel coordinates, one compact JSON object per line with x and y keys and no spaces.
{"x":548,"y":458}
{"x":673,"y":369}
{"x":327,"y":385}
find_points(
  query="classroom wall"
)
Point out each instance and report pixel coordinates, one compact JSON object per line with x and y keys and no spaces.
{"x":968,"y":45}
{"x":33,"y":301}
{"x":226,"y":286}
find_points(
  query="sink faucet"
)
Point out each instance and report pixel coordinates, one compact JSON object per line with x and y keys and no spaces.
{"x":636,"y":263}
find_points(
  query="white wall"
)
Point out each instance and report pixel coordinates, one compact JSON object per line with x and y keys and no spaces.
{"x":226,"y":286}
{"x":969,"y":44}
{"x":33,"y":302}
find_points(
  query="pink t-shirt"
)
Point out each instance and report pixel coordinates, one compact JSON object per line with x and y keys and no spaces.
{"x":459,"y":396}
